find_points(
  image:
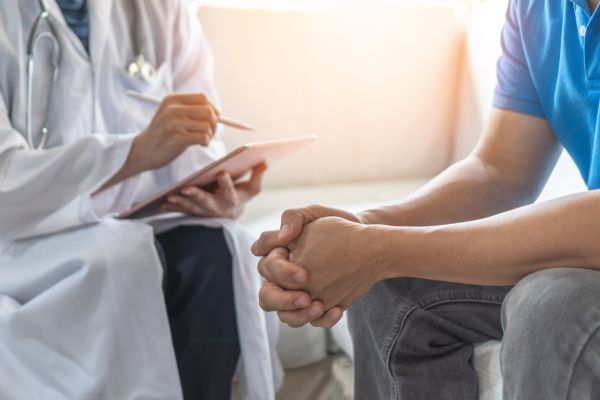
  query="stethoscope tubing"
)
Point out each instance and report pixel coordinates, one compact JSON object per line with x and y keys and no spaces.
{"x":32,"y":43}
{"x":146,"y":70}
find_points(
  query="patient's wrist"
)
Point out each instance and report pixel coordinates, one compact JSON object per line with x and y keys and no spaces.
{"x":368,"y":217}
{"x":396,"y":251}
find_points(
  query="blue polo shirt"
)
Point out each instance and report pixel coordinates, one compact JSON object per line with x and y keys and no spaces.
{"x":550,"y":68}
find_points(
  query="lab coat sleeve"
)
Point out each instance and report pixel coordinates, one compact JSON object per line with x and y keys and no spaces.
{"x":46,"y":191}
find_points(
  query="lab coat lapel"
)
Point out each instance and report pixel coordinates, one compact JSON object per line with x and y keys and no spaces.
{"x":100,"y":24}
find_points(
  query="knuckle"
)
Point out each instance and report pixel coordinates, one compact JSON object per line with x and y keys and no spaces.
{"x":260,"y":267}
{"x":172,"y":125}
{"x":289,"y":213}
{"x":265,"y":306}
{"x":262,"y":237}
{"x":171,"y":108}
{"x":270,"y":259}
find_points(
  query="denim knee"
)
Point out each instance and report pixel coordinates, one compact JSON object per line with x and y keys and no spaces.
{"x":548,"y":318}
{"x":559,"y":295}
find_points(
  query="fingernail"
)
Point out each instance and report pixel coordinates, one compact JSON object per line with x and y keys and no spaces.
{"x":285,"y":229}
{"x":298,"y":277}
{"x":188,"y":191}
{"x":172,"y":199}
{"x":314,"y":312}
{"x":334,"y":315}
{"x":301,"y":302}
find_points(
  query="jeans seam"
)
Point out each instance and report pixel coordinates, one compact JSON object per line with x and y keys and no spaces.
{"x":396,"y":333}
{"x":579,"y":355}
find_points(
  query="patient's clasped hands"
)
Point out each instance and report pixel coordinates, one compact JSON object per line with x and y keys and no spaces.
{"x":318,"y":264}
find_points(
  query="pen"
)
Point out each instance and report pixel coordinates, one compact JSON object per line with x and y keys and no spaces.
{"x":224,"y":120}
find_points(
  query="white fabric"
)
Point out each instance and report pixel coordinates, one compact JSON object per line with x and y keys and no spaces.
{"x":486,"y":361}
{"x":77,"y":320}
{"x":73,"y":327}
{"x":299,"y":347}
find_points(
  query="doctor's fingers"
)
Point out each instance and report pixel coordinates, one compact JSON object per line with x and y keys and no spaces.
{"x":273,"y":297}
{"x":201,"y":129}
{"x":186,"y":98}
{"x":195,"y":202}
{"x":226,"y":190}
{"x":253,"y":186}
{"x":194,"y":134}
{"x":203,"y":112}
{"x":276,"y":267}
{"x":191,"y":99}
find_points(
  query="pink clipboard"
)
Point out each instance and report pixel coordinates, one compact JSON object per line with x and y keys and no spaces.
{"x":237,"y":163}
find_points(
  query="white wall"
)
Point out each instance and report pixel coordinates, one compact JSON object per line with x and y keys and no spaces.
{"x":376,"y":84}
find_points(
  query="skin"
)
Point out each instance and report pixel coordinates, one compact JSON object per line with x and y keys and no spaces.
{"x":475,"y":223}
{"x":182,"y":121}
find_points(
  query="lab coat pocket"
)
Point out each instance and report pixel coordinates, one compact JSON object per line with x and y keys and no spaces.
{"x":160,"y":86}
{"x":139,"y":112}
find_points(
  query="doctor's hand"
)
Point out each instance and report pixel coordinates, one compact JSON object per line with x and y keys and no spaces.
{"x":332,"y":262}
{"x":181,"y":121}
{"x":227,"y":201}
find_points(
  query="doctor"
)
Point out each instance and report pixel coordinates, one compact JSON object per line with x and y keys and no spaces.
{"x":82,"y":313}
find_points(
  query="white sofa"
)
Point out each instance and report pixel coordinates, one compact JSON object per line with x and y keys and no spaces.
{"x":395,"y":93}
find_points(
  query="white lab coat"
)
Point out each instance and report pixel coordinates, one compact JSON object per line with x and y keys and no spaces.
{"x":81,"y":308}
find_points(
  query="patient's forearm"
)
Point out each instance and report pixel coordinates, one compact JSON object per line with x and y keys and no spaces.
{"x":468,"y":190}
{"x":499,"y":250}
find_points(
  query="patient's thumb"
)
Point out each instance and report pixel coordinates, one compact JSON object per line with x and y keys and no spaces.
{"x":292,"y":223}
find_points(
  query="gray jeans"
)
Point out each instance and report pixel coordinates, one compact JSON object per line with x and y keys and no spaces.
{"x":414,"y":339}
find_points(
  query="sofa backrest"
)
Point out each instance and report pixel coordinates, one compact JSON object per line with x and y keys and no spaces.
{"x":377,"y":85}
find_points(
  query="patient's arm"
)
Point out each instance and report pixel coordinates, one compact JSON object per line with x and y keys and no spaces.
{"x":508,"y":169}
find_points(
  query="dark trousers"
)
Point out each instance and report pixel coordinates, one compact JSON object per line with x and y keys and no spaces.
{"x":198,"y":288}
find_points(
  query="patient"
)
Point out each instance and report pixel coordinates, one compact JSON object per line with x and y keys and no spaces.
{"x":428,"y":278}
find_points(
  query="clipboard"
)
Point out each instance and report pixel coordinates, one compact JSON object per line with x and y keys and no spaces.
{"x":237,"y":163}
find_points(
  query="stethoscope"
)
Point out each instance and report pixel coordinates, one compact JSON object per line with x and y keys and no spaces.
{"x":138,"y":68}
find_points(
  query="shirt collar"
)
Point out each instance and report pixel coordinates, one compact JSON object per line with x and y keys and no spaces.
{"x":581,"y":3}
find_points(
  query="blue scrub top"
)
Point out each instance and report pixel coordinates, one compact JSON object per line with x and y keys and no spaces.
{"x":77,"y":17}
{"x":550,"y":68}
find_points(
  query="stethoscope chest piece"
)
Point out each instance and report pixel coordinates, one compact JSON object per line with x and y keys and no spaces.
{"x":142,"y":69}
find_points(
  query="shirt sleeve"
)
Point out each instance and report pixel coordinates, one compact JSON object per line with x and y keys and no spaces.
{"x":515,"y":89}
{"x":46,"y":191}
